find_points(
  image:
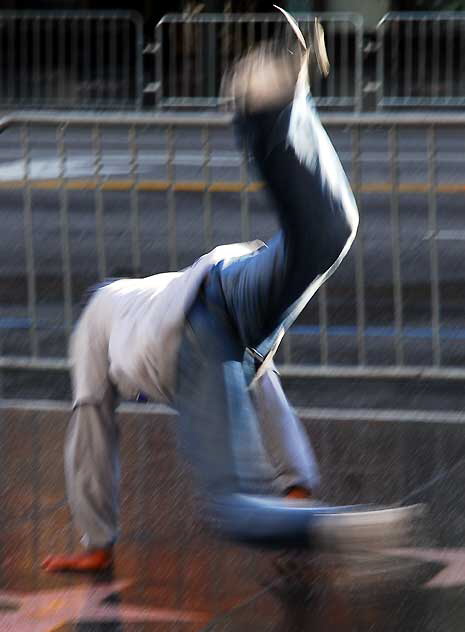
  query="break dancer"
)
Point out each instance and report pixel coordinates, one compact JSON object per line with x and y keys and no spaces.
{"x":203,"y":340}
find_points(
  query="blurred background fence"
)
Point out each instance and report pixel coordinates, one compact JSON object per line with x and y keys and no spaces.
{"x":76,"y":58}
{"x":68,"y":59}
{"x":192,"y":56}
{"x":92,"y":196}
{"x":421,"y":59}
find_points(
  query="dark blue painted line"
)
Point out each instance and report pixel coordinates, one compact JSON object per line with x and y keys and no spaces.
{"x":446,"y":333}
{"x":25,"y":323}
{"x":15,"y":323}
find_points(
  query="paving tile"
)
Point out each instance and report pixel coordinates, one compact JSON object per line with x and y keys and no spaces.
{"x":51,"y":431}
{"x":420,"y":453}
{"x":18,"y":457}
{"x":18,"y":556}
{"x":170,"y":565}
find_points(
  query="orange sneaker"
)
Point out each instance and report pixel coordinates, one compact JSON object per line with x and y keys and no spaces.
{"x":85,"y":562}
{"x":298,"y":493}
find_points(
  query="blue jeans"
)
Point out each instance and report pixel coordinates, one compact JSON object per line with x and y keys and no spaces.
{"x":248,"y":303}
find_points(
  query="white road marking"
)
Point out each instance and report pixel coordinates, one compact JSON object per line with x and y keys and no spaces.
{"x":112,"y":164}
{"x":117,"y":162}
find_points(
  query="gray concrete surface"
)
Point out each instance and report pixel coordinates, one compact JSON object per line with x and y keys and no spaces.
{"x":173,"y":573}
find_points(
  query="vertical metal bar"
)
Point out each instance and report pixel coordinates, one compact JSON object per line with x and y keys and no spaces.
{"x":207,"y":199}
{"x":395,"y":241}
{"x":224,"y":61}
{"x":450,"y":41}
{"x":159,"y":77}
{"x":113,"y":61}
{"x":422,"y":57}
{"x":250,"y":34}
{"x":211,"y":54}
{"x":265,"y":29}
{"x":272,"y":26}
{"x":237,"y":38}
{"x":64,"y":231}
{"x":139,"y":63}
{"x":436,"y":57}
{"x":125,"y":75}
{"x":100,"y":62}
{"x":186,"y":58}
{"x":284,"y":34}
{"x":172,"y":63}
{"x":344,"y":85}
{"x":332,"y":56}
{"x":359,"y":265}
{"x":87,"y":69}
{"x":36,"y":60}
{"x":2,"y":92}
{"x":29,"y":242}
{"x":49,"y":93}
{"x":99,"y":211}
{"x":394,"y":75}
{"x":320,"y":87}
{"x":171,"y":199}
{"x":199,"y":56}
{"x":135,"y":218}
{"x":62,"y":60}
{"x":75,"y":49}
{"x":461,"y":63}
{"x":380,"y":61}
{"x":282,"y":31}
{"x":323,"y":320}
{"x":316,"y":80}
{"x":23,"y":52}
{"x":359,"y":65}
{"x":434,"y":262}
{"x":12,"y":59}
{"x":408,"y":45}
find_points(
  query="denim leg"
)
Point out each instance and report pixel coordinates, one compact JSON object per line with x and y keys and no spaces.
{"x":218,"y":428}
{"x":316,"y":211}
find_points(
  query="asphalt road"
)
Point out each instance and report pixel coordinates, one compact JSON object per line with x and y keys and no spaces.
{"x":188,"y":145}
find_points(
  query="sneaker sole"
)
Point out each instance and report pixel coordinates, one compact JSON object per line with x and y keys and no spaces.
{"x":370,"y":530}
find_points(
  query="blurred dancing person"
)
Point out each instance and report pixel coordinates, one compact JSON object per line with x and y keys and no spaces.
{"x":203,"y":340}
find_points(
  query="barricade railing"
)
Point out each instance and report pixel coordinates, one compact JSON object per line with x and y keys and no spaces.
{"x":64,"y":58}
{"x":192,"y":55}
{"x":134,"y":194}
{"x":421,"y":59}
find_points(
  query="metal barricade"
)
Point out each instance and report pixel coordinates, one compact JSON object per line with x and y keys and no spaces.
{"x":86,"y":197}
{"x":71,"y":59}
{"x":421,"y":58}
{"x":192,"y":55}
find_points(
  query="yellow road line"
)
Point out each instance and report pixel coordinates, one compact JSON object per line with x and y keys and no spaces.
{"x":450,"y":188}
{"x":17,"y":184}
{"x":199,"y":186}
{"x":414,"y":187}
{"x":386,"y":187}
{"x":152,"y":185}
{"x":190,"y":187}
